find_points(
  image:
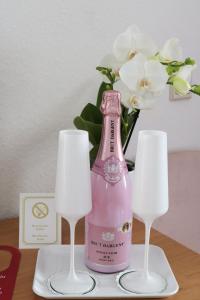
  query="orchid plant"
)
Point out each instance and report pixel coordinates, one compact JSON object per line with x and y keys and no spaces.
{"x":140,"y":72}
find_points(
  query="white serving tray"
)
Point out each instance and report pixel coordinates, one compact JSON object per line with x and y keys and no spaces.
{"x":55,"y":258}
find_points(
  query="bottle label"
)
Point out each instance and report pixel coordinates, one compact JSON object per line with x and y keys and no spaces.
{"x":107,"y":245}
{"x":112,"y":169}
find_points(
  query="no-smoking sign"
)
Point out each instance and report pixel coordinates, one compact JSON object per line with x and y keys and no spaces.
{"x":40,"y":210}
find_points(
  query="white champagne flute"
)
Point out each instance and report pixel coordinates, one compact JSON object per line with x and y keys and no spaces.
{"x":73,"y":201}
{"x":150,"y":201}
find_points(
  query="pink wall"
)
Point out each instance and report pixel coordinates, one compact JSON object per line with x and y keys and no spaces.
{"x":182,"y":222}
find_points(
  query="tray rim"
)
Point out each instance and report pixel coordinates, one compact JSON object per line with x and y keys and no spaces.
{"x":126,"y":294}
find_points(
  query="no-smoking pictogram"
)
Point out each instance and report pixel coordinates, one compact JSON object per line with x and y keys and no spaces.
{"x":40,"y":210}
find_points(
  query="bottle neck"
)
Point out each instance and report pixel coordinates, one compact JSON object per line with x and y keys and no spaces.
{"x":110,"y":144}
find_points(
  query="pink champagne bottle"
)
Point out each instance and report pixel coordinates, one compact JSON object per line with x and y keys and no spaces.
{"x":108,"y":225}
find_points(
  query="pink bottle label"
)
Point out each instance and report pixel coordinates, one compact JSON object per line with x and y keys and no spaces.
{"x":111,"y":169}
{"x":109,"y":246}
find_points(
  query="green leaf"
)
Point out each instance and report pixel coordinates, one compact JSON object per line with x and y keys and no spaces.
{"x":132,"y":119}
{"x":124,"y":132}
{"x":124,"y":111}
{"x":93,"y":154}
{"x":92,"y":113}
{"x":124,"y":124}
{"x":94,"y":130}
{"x":103,"y":87}
{"x":195,"y":89}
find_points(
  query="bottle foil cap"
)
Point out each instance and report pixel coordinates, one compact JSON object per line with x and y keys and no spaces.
{"x":111,"y":103}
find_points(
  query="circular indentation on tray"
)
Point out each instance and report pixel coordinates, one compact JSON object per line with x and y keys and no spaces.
{"x":55,"y":292}
{"x":121,"y":286}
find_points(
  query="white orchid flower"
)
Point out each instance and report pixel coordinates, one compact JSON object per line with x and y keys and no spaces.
{"x":131,"y":99}
{"x":181,"y":81}
{"x":171,"y":51}
{"x":142,"y":75}
{"x":141,"y":81}
{"x":131,"y":42}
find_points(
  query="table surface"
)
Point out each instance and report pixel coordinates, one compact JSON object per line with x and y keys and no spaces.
{"x":184,"y":262}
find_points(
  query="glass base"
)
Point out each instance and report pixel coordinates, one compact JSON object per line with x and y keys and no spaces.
{"x":137,"y":282}
{"x":81,"y":284}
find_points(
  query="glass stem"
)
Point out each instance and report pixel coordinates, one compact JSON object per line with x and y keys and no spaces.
{"x":72,"y":273}
{"x":146,"y":248}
